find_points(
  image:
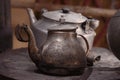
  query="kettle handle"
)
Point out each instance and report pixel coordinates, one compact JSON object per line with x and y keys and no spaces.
{"x":87,"y":44}
{"x":20,"y":33}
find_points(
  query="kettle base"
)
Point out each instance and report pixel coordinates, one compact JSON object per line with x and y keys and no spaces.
{"x":55,"y":71}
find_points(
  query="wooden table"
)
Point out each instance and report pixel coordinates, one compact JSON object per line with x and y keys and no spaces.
{"x":16,"y":65}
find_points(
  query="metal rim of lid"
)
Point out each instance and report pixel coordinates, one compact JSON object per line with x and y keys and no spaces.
{"x":63,"y":26}
{"x":69,"y":16}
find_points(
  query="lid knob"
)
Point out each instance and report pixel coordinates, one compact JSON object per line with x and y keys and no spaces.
{"x":65,"y":10}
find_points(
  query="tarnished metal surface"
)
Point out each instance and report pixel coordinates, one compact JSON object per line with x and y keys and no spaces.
{"x":60,"y":54}
{"x":58,"y":46}
{"x":113,"y":34}
{"x":69,"y":16}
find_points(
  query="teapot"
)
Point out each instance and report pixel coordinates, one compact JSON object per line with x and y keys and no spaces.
{"x":62,"y":51}
{"x":48,"y":19}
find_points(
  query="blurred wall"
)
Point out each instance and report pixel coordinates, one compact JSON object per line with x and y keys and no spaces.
{"x":19,"y":16}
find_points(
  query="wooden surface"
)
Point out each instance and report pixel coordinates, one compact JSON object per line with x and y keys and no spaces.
{"x":16,"y":65}
{"x":19,"y":16}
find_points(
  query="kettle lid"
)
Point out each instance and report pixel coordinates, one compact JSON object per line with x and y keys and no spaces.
{"x":63,"y":26}
{"x":69,"y":16}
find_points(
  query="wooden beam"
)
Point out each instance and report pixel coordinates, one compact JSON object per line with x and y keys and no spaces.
{"x":88,"y":11}
{"x":22,"y":3}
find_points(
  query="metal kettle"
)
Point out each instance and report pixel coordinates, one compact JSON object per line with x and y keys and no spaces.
{"x":56,"y":43}
{"x":61,"y":53}
{"x":48,"y":19}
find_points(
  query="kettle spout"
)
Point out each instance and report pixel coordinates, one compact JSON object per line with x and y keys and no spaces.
{"x":31,"y":16}
{"x":32,"y":47}
{"x":92,"y":58}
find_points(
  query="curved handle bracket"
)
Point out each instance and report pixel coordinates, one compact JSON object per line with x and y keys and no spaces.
{"x":87,"y":44}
